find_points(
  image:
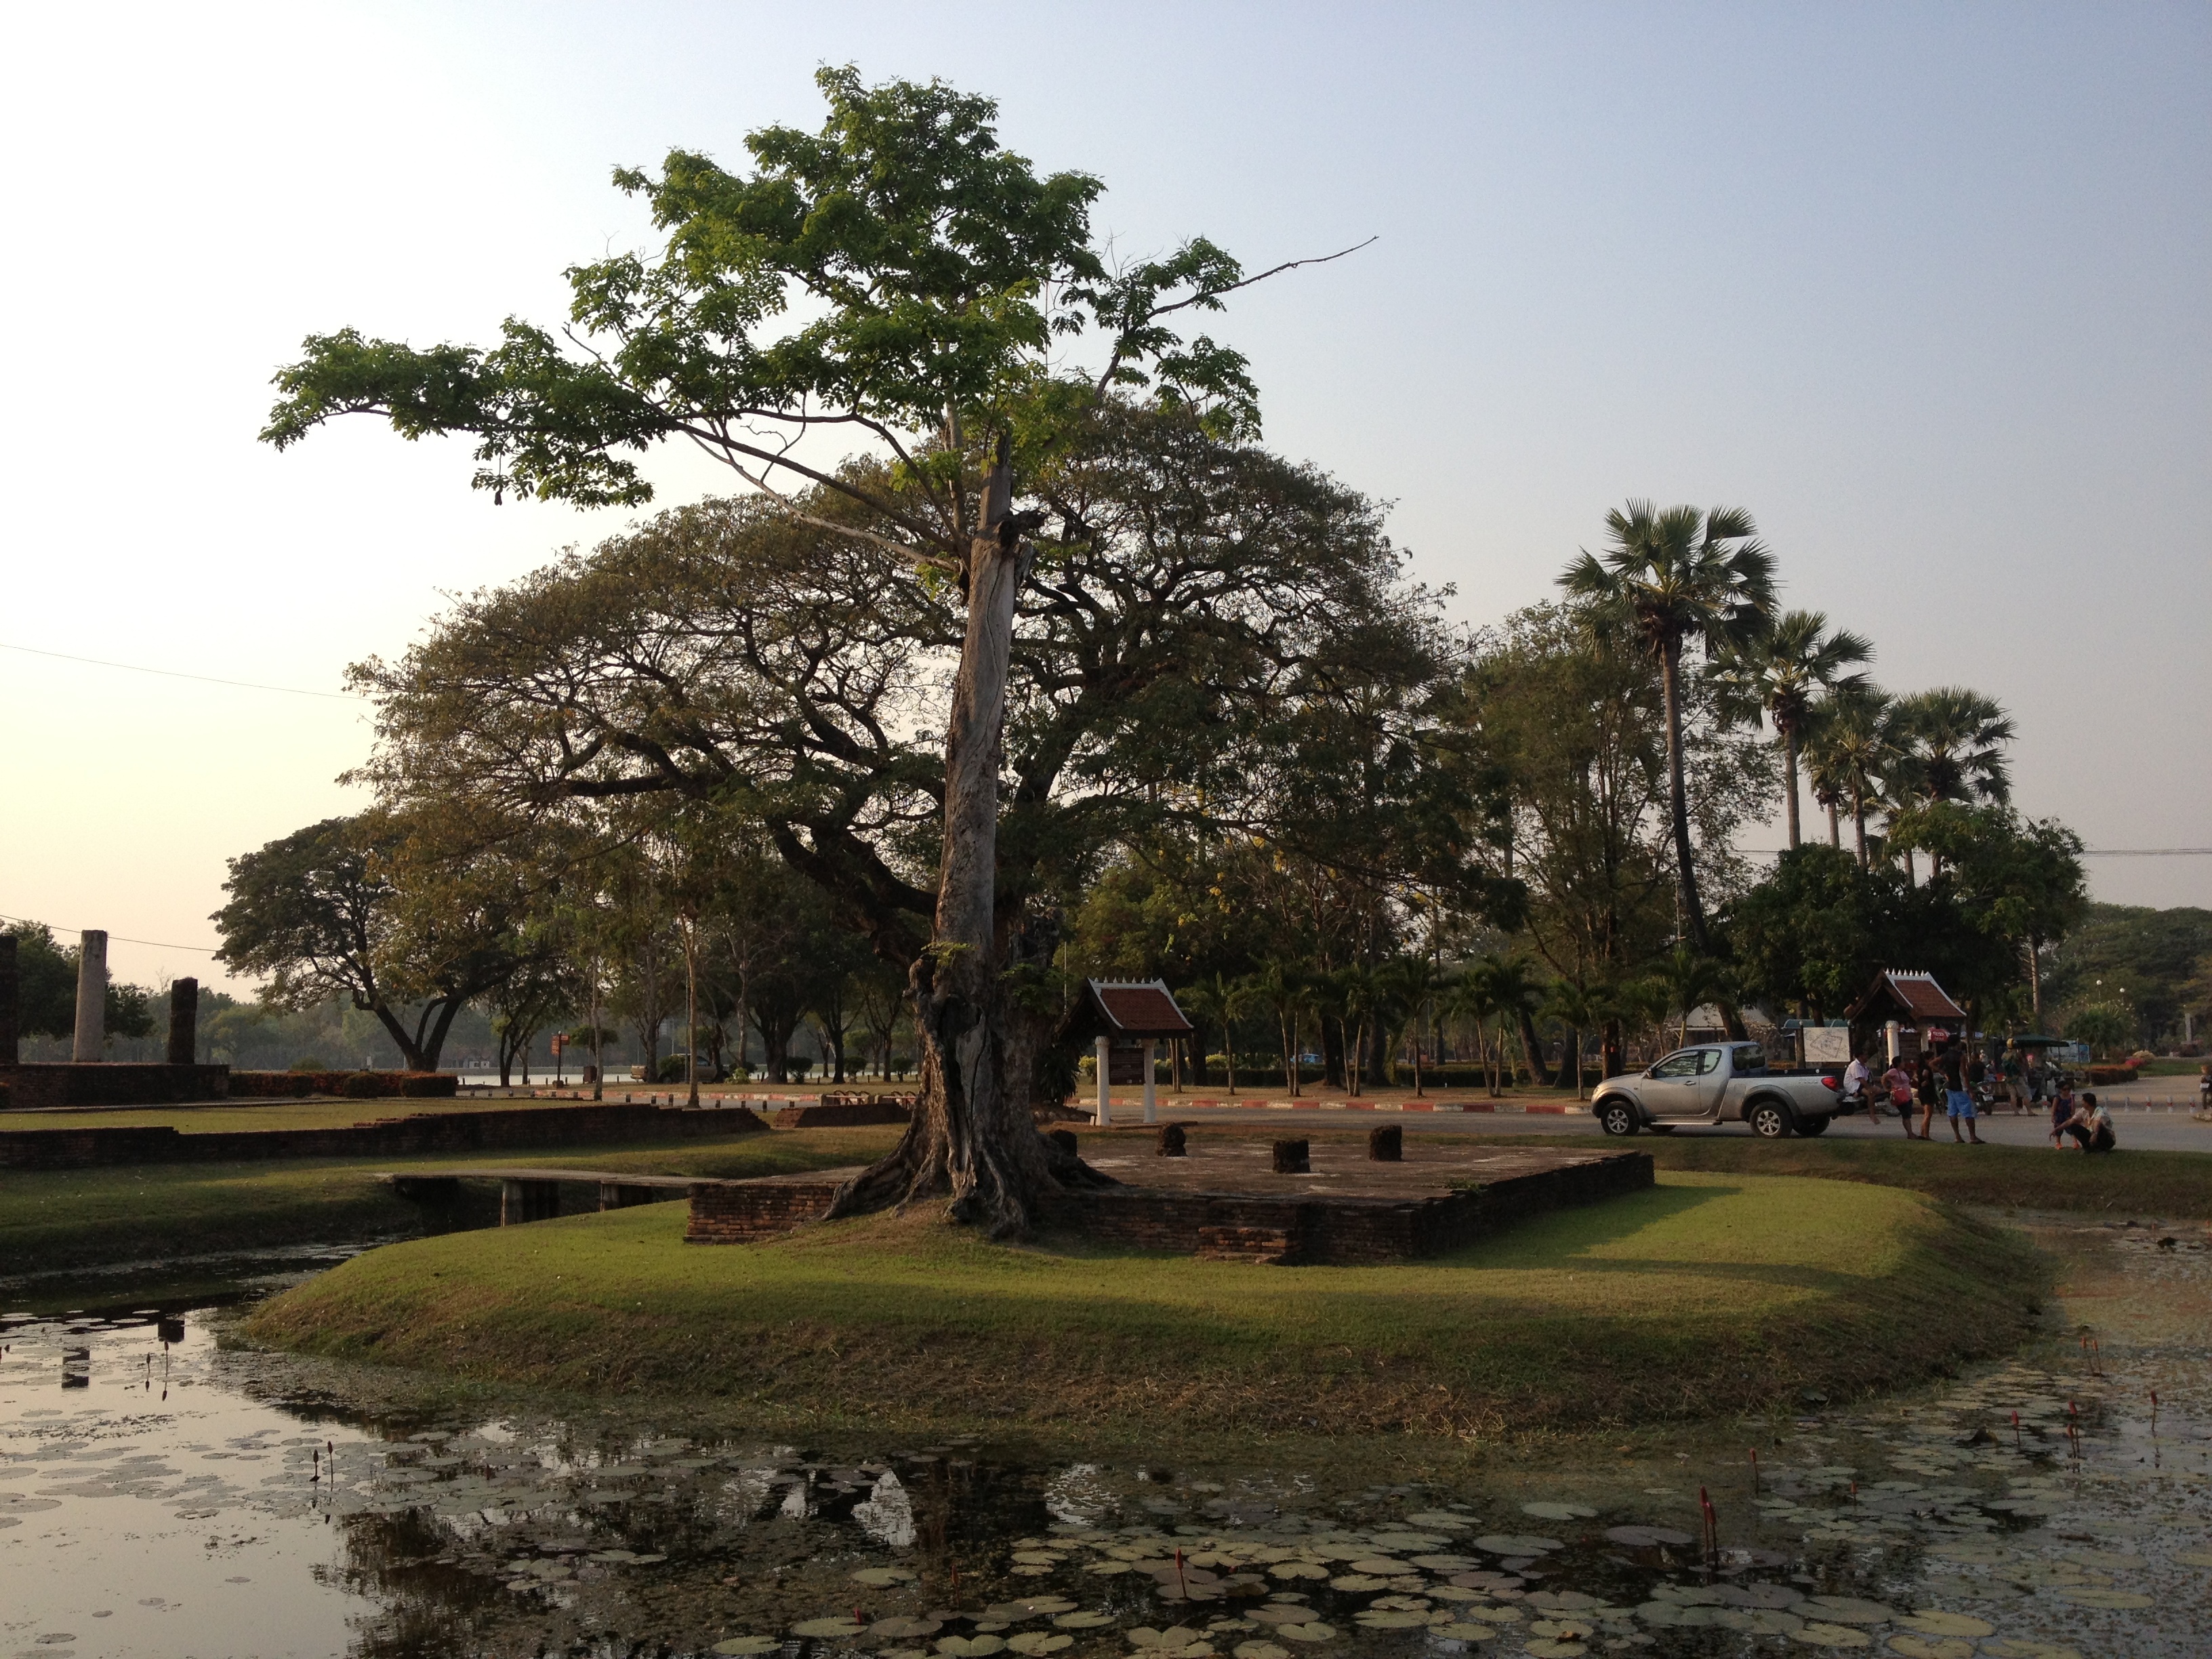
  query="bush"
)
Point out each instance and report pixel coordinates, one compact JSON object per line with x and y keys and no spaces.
{"x":306,"y":1065}
{"x":354,"y":1085}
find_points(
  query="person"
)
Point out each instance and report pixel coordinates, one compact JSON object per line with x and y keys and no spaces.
{"x":1959,"y":1100}
{"x":1855,"y":1083}
{"x":1899,"y":1083}
{"x":2063,"y":1104}
{"x":1929,"y":1087}
{"x":2204,"y":1083}
{"x":2091,"y":1126}
{"x":2035,"y":1079}
{"x":2015,"y":1080}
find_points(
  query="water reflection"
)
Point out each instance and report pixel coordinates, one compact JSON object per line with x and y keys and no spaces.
{"x":159,"y":1495}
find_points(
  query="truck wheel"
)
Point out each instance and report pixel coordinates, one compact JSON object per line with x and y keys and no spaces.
{"x":1617,"y":1117}
{"x":1813,"y":1126}
{"x":1769,"y":1120}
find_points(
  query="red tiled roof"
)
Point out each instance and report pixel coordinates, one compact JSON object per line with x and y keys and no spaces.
{"x":1143,"y":1010}
{"x":1918,"y":994}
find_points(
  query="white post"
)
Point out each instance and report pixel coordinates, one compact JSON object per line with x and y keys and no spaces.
{"x":1889,"y":1032}
{"x":1105,"y":1090}
{"x":91,"y":1033}
{"x":1151,"y":1098}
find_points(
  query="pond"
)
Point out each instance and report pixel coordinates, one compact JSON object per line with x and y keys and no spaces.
{"x":164,"y":1492}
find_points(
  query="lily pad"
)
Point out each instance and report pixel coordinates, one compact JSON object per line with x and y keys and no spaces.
{"x":1357,"y":1581}
{"x":1543,"y":1649}
{"x":1932,"y":1647}
{"x":1443,"y":1519}
{"x":1849,"y":1610}
{"x":1314,"y":1631}
{"x":1515,"y":1543}
{"x":1390,"y":1618}
{"x":1038,"y":1641}
{"x":1260,"y":1650}
{"x":2106,"y":1598}
{"x":1177,"y":1642}
{"x":1814,"y":1634}
{"x":1379,"y":1566}
{"x":1445,"y":1563}
{"x":1935,"y":1621}
{"x":1297,"y":1570}
{"x":1083,"y":1620}
{"x":906,"y":1629}
{"x":842,"y":1628}
{"x":971,"y":1647}
{"x":883,"y":1577}
{"x":1644,"y":1538}
{"x":1559,"y":1511}
{"x":748,"y":1645}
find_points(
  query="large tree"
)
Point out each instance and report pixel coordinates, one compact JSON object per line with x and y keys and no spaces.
{"x":1851,"y":748}
{"x":330,"y":908}
{"x":1680,"y":578}
{"x":937,"y":280}
{"x":1777,"y":673}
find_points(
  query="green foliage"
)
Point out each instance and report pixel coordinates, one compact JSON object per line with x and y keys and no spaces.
{"x":2162,"y":959}
{"x":45,"y":990}
{"x":2106,"y":1027}
{"x":897,"y":272}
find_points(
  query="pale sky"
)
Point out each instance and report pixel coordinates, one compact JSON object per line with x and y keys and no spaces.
{"x":1923,"y":287}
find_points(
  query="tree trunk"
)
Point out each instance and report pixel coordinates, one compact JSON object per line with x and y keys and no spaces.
{"x":1540,"y":1075}
{"x":598,"y":1044}
{"x":1789,"y":778}
{"x":1613,"y":1050}
{"x":972,"y":1139}
{"x":1678,"y":798}
{"x":692,"y":1014}
{"x":1835,"y":827}
{"x":1858,"y":825}
{"x":2035,"y":983}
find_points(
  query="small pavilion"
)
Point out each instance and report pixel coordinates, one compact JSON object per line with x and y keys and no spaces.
{"x":1128,"y":1019}
{"x":1909,"y":1010}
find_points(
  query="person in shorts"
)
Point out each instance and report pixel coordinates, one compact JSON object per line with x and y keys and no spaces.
{"x":1897,"y":1084}
{"x":1855,"y":1084}
{"x":2091,"y":1126}
{"x":1959,"y":1099}
{"x":1929,"y":1085}
{"x":2063,"y":1105}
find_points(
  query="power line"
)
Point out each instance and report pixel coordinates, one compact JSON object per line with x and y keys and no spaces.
{"x":120,"y":939}
{"x":178,"y":674}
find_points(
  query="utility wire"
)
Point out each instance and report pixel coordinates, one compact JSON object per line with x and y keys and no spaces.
{"x":178,"y":674}
{"x":120,"y":939}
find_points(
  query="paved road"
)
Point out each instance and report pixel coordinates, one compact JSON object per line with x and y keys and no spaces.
{"x":2167,"y":1131}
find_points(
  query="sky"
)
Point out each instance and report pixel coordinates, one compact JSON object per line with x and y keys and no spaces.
{"x":1924,"y":288}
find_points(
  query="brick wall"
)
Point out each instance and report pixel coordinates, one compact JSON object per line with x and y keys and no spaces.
{"x":738,"y":1212}
{"x":109,"y":1083}
{"x":428,"y":1132}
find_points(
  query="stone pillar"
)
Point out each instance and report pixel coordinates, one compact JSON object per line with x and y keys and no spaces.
{"x":1152,"y":1093}
{"x":1105,"y":1083}
{"x":183,"y":1022}
{"x":91,"y":996}
{"x":9,"y":994}
{"x":1892,"y":1040}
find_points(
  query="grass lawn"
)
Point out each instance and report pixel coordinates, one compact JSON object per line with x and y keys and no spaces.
{"x":2173,"y":1186}
{"x":67,"y":1218}
{"x":1708,"y":1293}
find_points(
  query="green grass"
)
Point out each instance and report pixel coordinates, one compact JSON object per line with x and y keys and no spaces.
{"x":1704,"y":1295}
{"x":51,"y":1220}
{"x":2174,"y":1186}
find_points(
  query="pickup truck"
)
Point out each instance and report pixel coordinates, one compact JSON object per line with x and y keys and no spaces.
{"x":1719,"y":1082}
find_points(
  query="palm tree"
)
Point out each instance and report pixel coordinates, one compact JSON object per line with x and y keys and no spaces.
{"x":1951,"y":743}
{"x":1409,"y":985}
{"x":1955,"y":738}
{"x":1685,"y":983}
{"x":1673,"y":578}
{"x":1851,"y":748}
{"x":1283,"y":991}
{"x":1777,"y":673}
{"x":1218,"y":999}
{"x":1469,"y":996}
{"x":1580,"y":1008}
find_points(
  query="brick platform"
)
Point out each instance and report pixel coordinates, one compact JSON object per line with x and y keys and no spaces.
{"x":1223,"y":1201}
